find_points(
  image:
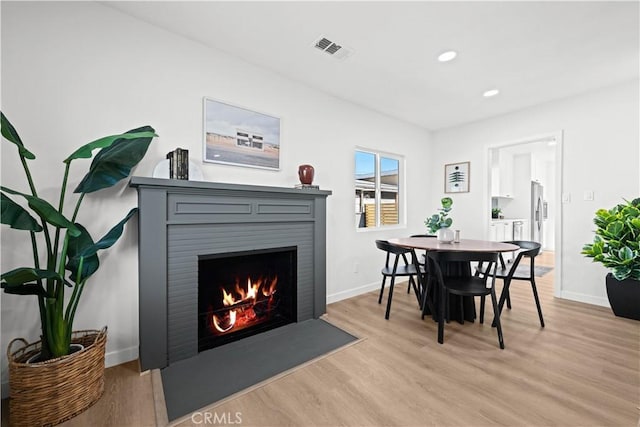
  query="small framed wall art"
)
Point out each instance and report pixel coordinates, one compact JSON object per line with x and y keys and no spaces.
{"x":456,"y":177}
{"x":238,"y":136}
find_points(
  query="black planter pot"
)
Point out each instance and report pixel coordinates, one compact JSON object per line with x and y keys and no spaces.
{"x":624,"y":297}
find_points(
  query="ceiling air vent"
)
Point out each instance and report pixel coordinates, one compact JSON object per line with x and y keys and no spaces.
{"x":331,"y":48}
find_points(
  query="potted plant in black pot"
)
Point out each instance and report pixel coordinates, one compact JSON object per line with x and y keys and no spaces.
{"x":617,"y":246}
{"x":49,"y":381}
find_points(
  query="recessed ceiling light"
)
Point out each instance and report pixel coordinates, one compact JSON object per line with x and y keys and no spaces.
{"x":447,"y":56}
{"x":490,"y":93}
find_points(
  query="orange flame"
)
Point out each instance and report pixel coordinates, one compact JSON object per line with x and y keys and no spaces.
{"x":242,"y":315}
{"x":227,"y":298}
{"x":224,"y":325}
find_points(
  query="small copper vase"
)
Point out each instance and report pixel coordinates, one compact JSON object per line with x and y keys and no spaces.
{"x":305,"y":173}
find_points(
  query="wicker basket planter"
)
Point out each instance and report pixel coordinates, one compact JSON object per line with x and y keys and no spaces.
{"x":48,"y":393}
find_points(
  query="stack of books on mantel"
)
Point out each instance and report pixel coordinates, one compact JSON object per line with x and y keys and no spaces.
{"x":308,"y":186}
{"x":178,"y":163}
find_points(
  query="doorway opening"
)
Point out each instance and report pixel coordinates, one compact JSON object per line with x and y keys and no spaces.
{"x":525,"y":200}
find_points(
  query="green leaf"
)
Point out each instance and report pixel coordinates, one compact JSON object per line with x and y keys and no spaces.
{"x":630,"y":212}
{"x":75,"y":247}
{"x":446,"y":202}
{"x":598,"y":247}
{"x":83,"y":246}
{"x":85,"y":152}
{"x":110,"y":238}
{"x":615,"y":228}
{"x":46,"y":211}
{"x":114,"y":163}
{"x":621,"y":272}
{"x":11,"y":135}
{"x":626,"y":254}
{"x":26,"y":289}
{"x":447,"y":223}
{"x":16,"y":216}
{"x":594,"y":249}
{"x":22,"y":275}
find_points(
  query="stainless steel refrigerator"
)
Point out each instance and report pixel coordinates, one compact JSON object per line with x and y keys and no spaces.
{"x":537,"y":212}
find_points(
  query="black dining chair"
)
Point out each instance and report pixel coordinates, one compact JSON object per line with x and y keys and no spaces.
{"x":528,"y":249}
{"x":422,"y":259}
{"x":464,"y":286}
{"x":407,"y":268}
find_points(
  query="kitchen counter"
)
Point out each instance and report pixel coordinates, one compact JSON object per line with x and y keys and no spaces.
{"x":505,"y":229}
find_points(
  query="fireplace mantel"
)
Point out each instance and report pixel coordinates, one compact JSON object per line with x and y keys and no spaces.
{"x":179,"y":220}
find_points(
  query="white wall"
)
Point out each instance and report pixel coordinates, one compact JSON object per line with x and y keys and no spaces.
{"x":601,"y":151}
{"x":72,"y":72}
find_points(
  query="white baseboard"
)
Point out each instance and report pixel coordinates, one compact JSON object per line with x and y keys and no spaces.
{"x":588,"y":299}
{"x":112,"y":358}
{"x":119,"y":357}
{"x":573,"y":296}
{"x":339,"y":296}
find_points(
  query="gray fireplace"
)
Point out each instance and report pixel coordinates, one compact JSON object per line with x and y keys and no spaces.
{"x":182,"y":222}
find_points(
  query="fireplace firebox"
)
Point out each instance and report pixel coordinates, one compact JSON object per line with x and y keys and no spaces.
{"x":244,"y":293}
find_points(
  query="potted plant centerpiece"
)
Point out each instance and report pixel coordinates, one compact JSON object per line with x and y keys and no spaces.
{"x":440,"y":222}
{"x":49,"y":381}
{"x":617,"y":246}
{"x":495,"y":213}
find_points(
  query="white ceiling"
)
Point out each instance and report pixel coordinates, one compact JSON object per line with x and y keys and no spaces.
{"x":533,"y":52}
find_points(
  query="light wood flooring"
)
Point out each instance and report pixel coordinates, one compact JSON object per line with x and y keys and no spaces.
{"x":582,"y":369}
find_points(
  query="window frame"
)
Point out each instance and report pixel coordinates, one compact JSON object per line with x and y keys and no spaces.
{"x":401,"y":193}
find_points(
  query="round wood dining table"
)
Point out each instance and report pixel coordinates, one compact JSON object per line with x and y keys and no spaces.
{"x":453,"y":269}
{"x":464,"y":245}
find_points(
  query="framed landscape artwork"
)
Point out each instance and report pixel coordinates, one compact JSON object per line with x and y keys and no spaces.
{"x":456,"y":177}
{"x":238,"y":136}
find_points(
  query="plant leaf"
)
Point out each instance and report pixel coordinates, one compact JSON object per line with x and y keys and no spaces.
{"x":23,"y":275}
{"x":46,"y":211}
{"x":110,"y":238}
{"x":615,"y":228}
{"x":11,"y":135}
{"x":85,"y":152}
{"x":26,"y":289}
{"x":621,"y":272}
{"x":626,"y":254}
{"x":15,"y":216}
{"x":446,"y":202}
{"x":76,"y":245}
{"x":114,"y":163}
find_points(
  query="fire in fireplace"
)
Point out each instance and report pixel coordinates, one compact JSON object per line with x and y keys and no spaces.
{"x":244,"y":293}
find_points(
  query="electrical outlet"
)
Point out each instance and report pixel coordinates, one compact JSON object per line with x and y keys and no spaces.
{"x":588,"y":194}
{"x":356,"y":267}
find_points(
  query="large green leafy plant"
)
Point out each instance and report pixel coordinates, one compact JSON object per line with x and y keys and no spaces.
{"x":617,"y":241}
{"x":440,"y":220}
{"x":64,"y":253}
